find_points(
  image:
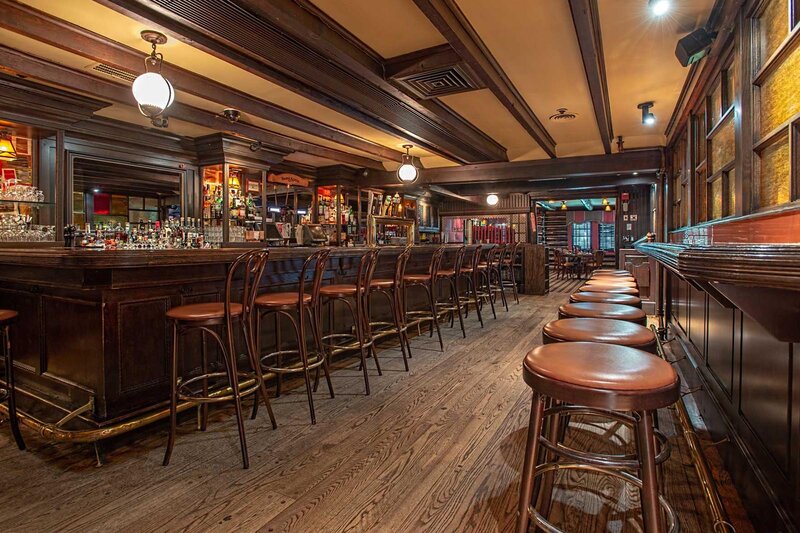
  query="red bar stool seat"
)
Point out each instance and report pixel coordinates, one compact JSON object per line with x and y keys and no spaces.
{"x":595,"y":310}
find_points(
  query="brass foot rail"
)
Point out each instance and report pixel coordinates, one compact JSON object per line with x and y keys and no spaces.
{"x":722,"y":523}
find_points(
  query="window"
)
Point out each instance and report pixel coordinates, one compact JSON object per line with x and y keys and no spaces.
{"x":606,"y":236}
{"x":582,"y":235}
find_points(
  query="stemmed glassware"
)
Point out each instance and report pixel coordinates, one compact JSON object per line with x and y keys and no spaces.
{"x":22,"y":193}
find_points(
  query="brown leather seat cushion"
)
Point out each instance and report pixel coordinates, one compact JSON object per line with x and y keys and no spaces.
{"x":615,"y":283}
{"x":7,"y":315}
{"x":338,"y":290}
{"x":613,"y":278}
{"x":604,"y":375}
{"x":203,"y":312}
{"x":417,"y":277}
{"x":605,"y":330}
{"x":595,"y":310}
{"x":606,"y":298}
{"x":382,"y":283}
{"x":280,"y":299}
{"x":446,"y":272}
{"x":610,"y":288}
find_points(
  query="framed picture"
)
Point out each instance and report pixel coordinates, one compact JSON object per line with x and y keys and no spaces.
{"x":253,"y":186}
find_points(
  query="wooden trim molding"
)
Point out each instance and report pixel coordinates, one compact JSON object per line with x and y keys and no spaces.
{"x":298,"y":49}
{"x":446,"y":16}
{"x":590,"y":40}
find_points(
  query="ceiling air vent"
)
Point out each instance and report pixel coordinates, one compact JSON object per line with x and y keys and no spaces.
{"x":114,"y":72}
{"x":563,"y":115}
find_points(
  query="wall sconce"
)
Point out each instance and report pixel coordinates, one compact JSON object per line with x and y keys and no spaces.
{"x":152,"y":91}
{"x":7,"y":151}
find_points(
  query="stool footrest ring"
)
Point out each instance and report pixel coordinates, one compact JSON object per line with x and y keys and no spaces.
{"x":620,"y":461}
{"x":540,"y":521}
{"x":185,"y":394}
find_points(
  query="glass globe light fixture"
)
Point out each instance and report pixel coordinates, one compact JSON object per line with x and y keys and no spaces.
{"x":659,"y":7}
{"x":407,"y":173}
{"x":152,"y":91}
{"x":492,"y":199}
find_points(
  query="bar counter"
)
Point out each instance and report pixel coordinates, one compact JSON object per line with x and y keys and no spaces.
{"x":93,"y":336}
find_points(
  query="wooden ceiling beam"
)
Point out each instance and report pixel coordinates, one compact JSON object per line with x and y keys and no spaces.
{"x":293,"y":45}
{"x":645,"y":160}
{"x":583,"y":186}
{"x":72,"y":38}
{"x":86,"y":83}
{"x":454,"y":26}
{"x":585,"y":18}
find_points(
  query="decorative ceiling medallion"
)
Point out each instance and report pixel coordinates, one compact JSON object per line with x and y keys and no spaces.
{"x":446,"y":80}
{"x":563,"y":115}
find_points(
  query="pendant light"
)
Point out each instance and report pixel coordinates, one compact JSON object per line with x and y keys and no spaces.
{"x":152,"y":91}
{"x":659,"y":7}
{"x":408,"y":173}
{"x":7,"y":151}
{"x":492,"y":199}
{"x":608,"y":207}
{"x":563,"y":205}
{"x":605,"y":201}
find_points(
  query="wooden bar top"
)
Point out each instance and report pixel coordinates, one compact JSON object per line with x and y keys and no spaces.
{"x":102,"y":259}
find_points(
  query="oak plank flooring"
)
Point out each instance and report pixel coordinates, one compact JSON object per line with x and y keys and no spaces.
{"x":435,"y":449}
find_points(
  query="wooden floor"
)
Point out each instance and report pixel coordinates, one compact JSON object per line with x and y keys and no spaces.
{"x":436,"y":449}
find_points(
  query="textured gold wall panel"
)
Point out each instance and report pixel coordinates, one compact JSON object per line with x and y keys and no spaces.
{"x":723,"y":146}
{"x":716,"y":104}
{"x":780,"y":94}
{"x":716,"y":198}
{"x":774,"y":180}
{"x":731,"y":186}
{"x":773,"y":27}
{"x":701,"y":191}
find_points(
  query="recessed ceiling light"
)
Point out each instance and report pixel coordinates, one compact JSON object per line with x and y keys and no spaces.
{"x":648,"y":118}
{"x":635,"y":173}
{"x":95,"y":191}
{"x":659,"y":7}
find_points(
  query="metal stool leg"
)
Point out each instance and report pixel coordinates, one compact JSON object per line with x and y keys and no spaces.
{"x":651,"y":510}
{"x":12,"y":392}
{"x":529,"y":465}
{"x":229,"y":357}
{"x":173,"y":396}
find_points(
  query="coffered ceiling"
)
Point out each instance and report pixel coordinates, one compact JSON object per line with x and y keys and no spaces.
{"x":467,"y":82}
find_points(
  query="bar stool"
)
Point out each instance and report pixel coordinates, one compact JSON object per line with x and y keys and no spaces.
{"x":494,"y":274}
{"x":471,"y":272}
{"x":613,"y":279}
{"x":605,"y":377}
{"x":301,"y":308}
{"x":8,"y":317}
{"x":606,"y":298}
{"x":484,"y":283}
{"x":205,"y":316}
{"x":595,"y":310}
{"x":609,"y":288}
{"x":452,"y":276}
{"x":507,"y":265}
{"x":355,"y":296}
{"x":393,"y":289}
{"x":427,"y":282}
{"x":603,"y":330}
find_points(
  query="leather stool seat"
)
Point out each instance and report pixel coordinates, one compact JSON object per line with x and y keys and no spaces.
{"x":203,"y":311}
{"x":610,"y":272}
{"x":280,"y":299}
{"x":609,"y":288}
{"x":420,"y":278}
{"x":603,"y":330}
{"x":595,"y":310}
{"x":447,"y":272}
{"x":7,"y":315}
{"x":615,"y":283}
{"x":338,"y":291}
{"x":382,"y":283}
{"x":604,"y":376}
{"x":606,"y":298}
{"x":613,"y":278}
